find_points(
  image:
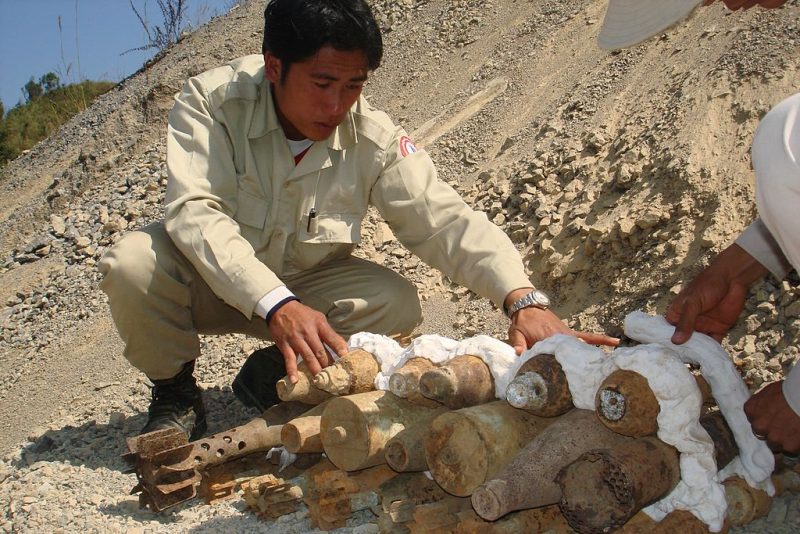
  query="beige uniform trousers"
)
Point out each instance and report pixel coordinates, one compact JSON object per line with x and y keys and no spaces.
{"x":160,"y":304}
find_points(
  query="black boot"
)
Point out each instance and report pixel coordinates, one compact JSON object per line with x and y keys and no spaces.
{"x":254,"y":386}
{"x":177,"y":403}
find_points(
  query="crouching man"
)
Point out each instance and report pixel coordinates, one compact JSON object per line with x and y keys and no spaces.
{"x":273,"y":161}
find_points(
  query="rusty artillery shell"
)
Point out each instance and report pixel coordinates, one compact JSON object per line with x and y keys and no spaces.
{"x":604,"y":488}
{"x":626,"y":404}
{"x":352,"y":373}
{"x":468,"y":446}
{"x":406,"y":451}
{"x":304,"y":390}
{"x":301,"y":434}
{"x":528,"y":480}
{"x":462,"y":381}
{"x":725,"y":448}
{"x":405,"y":381}
{"x":745,"y":503}
{"x":355,"y":429}
{"x":540,"y":387}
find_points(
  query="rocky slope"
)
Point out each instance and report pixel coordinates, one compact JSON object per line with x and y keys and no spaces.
{"x":618,"y":175}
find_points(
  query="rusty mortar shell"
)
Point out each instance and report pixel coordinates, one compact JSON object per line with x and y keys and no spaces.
{"x":405,"y":381}
{"x":406,"y":451}
{"x":528,"y":480}
{"x":626,"y":404}
{"x":466,"y":447}
{"x":352,"y":373}
{"x":168,"y":466}
{"x":604,"y":488}
{"x":301,"y":434}
{"x":745,"y":503}
{"x":354,"y":429}
{"x":540,"y":387}
{"x":304,"y":390}
{"x":725,"y":448}
{"x":461,"y":381}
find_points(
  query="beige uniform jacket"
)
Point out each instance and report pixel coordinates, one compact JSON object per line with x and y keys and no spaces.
{"x":237,"y":206}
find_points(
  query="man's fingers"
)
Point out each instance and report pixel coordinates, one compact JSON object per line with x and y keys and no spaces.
{"x":517,"y":340}
{"x":334,"y":340}
{"x":289,"y":361}
{"x":686,"y":324}
{"x":597,"y":339}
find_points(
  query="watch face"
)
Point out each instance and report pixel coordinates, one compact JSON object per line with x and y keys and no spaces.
{"x":541,"y":298}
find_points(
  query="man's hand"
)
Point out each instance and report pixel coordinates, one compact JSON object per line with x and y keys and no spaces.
{"x":713,"y":301}
{"x":733,"y":5}
{"x":773,"y":419}
{"x":301,"y":331}
{"x":530,"y":325}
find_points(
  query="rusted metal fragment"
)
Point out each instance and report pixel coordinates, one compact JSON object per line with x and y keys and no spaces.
{"x":168,"y":467}
{"x":528,"y":480}
{"x":270,"y":496}
{"x":678,"y":521}
{"x":406,"y":450}
{"x":745,"y":504}
{"x":352,"y":373}
{"x":462,"y":381}
{"x":466,"y":447}
{"x":626,"y":404}
{"x":438,"y":517}
{"x":546,"y":519}
{"x":356,"y":428}
{"x":540,"y":387}
{"x":405,"y":381}
{"x":604,"y":488}
{"x":303,"y":390}
{"x":334,"y":495}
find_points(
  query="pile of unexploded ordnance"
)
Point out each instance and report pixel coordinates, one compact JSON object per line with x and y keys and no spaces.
{"x":438,"y":435}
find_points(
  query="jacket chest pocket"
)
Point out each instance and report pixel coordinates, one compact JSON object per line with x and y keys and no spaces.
{"x":251,"y":210}
{"x":342,"y":228}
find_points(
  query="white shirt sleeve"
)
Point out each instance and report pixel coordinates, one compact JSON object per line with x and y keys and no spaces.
{"x":272,"y":299}
{"x":757,"y":241}
{"x":791,"y":388}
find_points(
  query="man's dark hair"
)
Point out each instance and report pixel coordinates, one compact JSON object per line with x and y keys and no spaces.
{"x":295,"y":30}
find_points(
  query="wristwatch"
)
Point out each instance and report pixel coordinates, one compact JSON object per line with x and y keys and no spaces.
{"x":536,"y":299}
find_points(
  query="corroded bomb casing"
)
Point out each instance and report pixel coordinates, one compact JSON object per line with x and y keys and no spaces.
{"x":604,"y":488}
{"x":461,"y":381}
{"x":352,"y":373}
{"x":626,"y":404}
{"x":355,"y":429}
{"x":301,"y":434}
{"x":528,"y":480}
{"x":405,"y":381}
{"x":302,"y":391}
{"x":745,"y":503}
{"x":466,"y":447}
{"x":406,"y":451}
{"x":540,"y":387}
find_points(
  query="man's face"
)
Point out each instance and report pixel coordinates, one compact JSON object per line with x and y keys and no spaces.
{"x":316,"y":94}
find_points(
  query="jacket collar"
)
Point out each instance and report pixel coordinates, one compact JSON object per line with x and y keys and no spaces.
{"x":265,"y":120}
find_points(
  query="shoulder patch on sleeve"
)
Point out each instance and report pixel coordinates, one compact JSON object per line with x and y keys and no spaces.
{"x":407,"y":146}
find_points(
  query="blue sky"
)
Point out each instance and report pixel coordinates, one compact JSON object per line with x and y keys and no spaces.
{"x":93,"y":35}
